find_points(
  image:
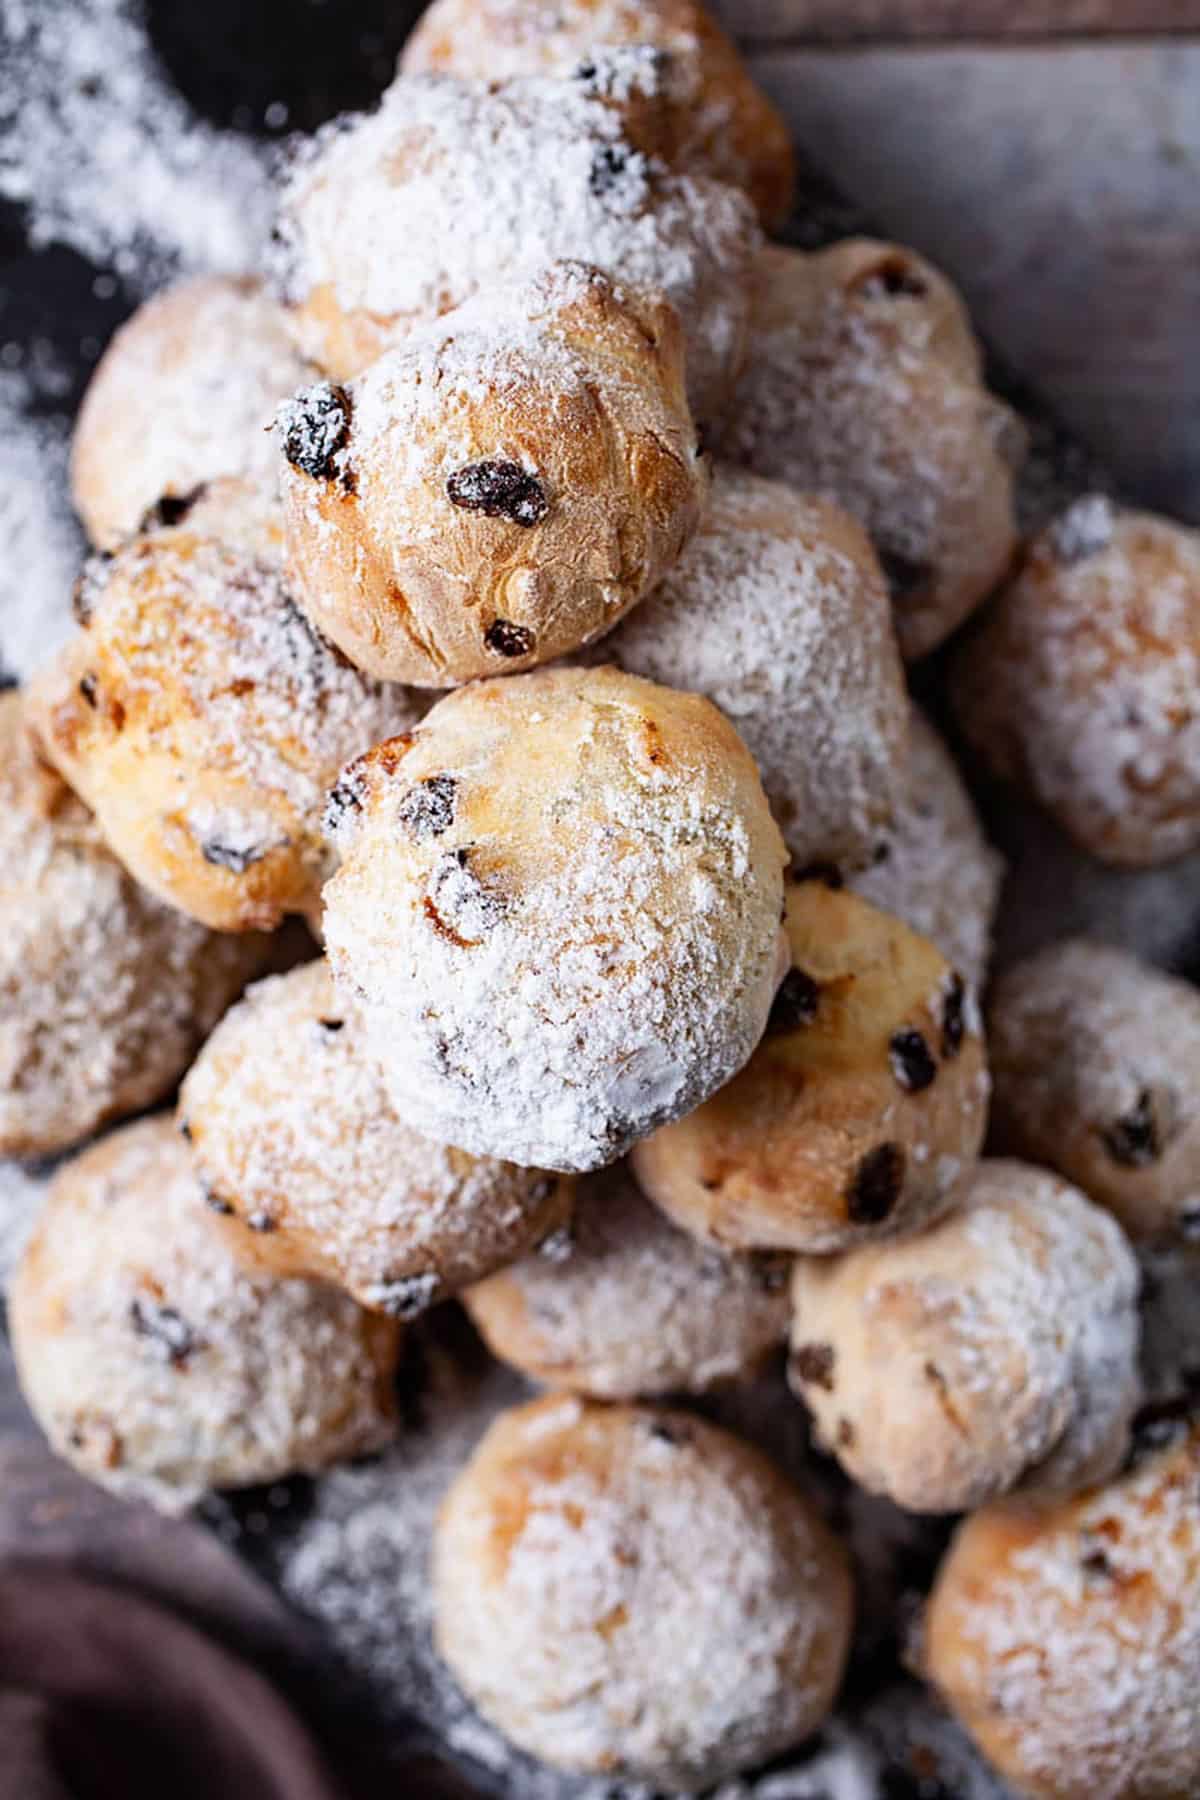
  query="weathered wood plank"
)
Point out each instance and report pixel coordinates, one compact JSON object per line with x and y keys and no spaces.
{"x":1058,"y":187}
{"x":851,"y":21}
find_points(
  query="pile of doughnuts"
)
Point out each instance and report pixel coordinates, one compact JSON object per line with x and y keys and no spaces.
{"x":494,"y":652}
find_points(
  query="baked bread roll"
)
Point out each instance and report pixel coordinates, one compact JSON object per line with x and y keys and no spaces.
{"x":1080,"y":683}
{"x":636,"y":1594}
{"x":295,"y":1139}
{"x":863,"y":383}
{"x":498,"y":489}
{"x":861,"y":1111}
{"x":778,"y":612}
{"x":719,"y":122}
{"x":155,"y":1364}
{"x":450,"y":187}
{"x":184,"y":394}
{"x":105,"y":993}
{"x":559,"y":907}
{"x":998,"y":1349}
{"x":628,"y":1306}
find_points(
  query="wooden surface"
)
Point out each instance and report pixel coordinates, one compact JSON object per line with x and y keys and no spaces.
{"x":851,"y":21}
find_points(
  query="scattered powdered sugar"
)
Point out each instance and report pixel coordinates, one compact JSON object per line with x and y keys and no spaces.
{"x":43,"y":545}
{"x":23,"y":1190}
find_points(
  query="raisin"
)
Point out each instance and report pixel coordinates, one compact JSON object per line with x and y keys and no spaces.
{"x":346,"y":796}
{"x":953,"y":1018}
{"x":316,"y":426}
{"x":812,"y":1365}
{"x":499,"y":490}
{"x":185,"y":1131}
{"x":331,"y":1025}
{"x":427,"y":810}
{"x":170,"y":509}
{"x":876,"y":1186}
{"x":903,"y":574}
{"x":216,"y":1204}
{"x":507,"y":639}
{"x":1134,"y":1139}
{"x":795,"y":1004}
{"x":668,"y":1434}
{"x":608,"y":165}
{"x":1096,"y":1564}
{"x":845,"y":1435}
{"x":262,"y":1221}
{"x":234,"y":857}
{"x":893,"y":280}
{"x":457,"y":904}
{"x":166,"y":1328}
{"x":912,"y":1064}
{"x":88,"y":687}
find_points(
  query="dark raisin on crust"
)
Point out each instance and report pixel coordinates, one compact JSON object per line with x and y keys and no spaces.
{"x":262,"y":1221}
{"x":892,"y":279}
{"x":170,"y":509}
{"x":903,"y":574}
{"x":216,"y":1204}
{"x":608,"y":165}
{"x":672,"y":1434}
{"x":427,"y":810}
{"x":499,"y":490}
{"x":796,"y":1003}
{"x":953,"y":1017}
{"x":876,"y":1186}
{"x":165,"y":1328}
{"x":88,"y":688}
{"x":507,"y":639}
{"x":813,"y":1365}
{"x":1134,"y":1140}
{"x":316,"y":427}
{"x":332,"y":1026}
{"x":1094,"y":1563}
{"x":346,"y":795}
{"x":457,"y":903}
{"x":912,"y":1061}
{"x":185,"y":1131}
{"x":230,"y":856}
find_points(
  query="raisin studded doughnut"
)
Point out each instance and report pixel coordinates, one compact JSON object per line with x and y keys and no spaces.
{"x":203,"y":719}
{"x":932,"y":866}
{"x":864,"y":383}
{"x":104,"y":991}
{"x":294,"y":1136}
{"x":499,"y":488}
{"x":629,"y":1306}
{"x":635,"y":1593}
{"x":859,"y":1113}
{"x":1096,"y":1058}
{"x":1066,"y":1639}
{"x":451,"y":187}
{"x":559,"y":905}
{"x":997,"y":1349}
{"x":155,"y":1364}
{"x":777,"y":611}
{"x":184,"y":394}
{"x":719,"y":121}
{"x":1080,"y":683}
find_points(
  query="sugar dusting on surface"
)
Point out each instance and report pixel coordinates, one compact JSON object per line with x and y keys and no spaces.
{"x":43,"y":545}
{"x":23,"y":1191}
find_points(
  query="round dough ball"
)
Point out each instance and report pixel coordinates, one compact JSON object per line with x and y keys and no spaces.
{"x":105,"y":993}
{"x":860,"y":1111}
{"x":203,"y":720}
{"x":637,"y":1594}
{"x":184,"y":393}
{"x":451,"y":187}
{"x":863,"y":383}
{"x":996,"y":1350}
{"x":498,"y":489}
{"x":559,"y":904}
{"x":778,"y":612}
{"x":933,"y":867}
{"x":294,"y":1136}
{"x":629,"y":1306}
{"x":161,"y":1369}
{"x":720,"y":123}
{"x":1096,"y":1058}
{"x":1080,"y":683}
{"x":1066,"y":1639}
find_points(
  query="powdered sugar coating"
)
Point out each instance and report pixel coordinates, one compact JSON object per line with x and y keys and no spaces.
{"x":933,"y":867}
{"x":1097,"y":1064}
{"x":185,"y":392}
{"x":634,"y":1592}
{"x":291,"y":1127}
{"x":1066,"y":1640}
{"x":203,"y":720}
{"x":862,"y":383}
{"x":632,"y":1306}
{"x":589,"y":944}
{"x":1080,"y":684}
{"x":777,"y":611}
{"x":452,"y":187}
{"x":997,"y":1350}
{"x":156,"y":1364}
{"x":104,"y":991}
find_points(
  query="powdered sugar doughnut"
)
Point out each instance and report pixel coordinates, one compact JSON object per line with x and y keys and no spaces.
{"x":160,"y":1368}
{"x":452,"y":187}
{"x":1080,"y":683}
{"x":293,"y":1134}
{"x":933,"y":867}
{"x":1066,"y":1639}
{"x":1097,"y":1066}
{"x":860,"y":1111}
{"x":630,"y":1306}
{"x":720,"y":123}
{"x":203,"y":720}
{"x":184,"y":394}
{"x":996,"y":1350}
{"x":104,"y":992}
{"x":863,"y":383}
{"x":777,"y":611}
{"x":559,"y":904}
{"x":498,"y":489}
{"x":636,"y":1593}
